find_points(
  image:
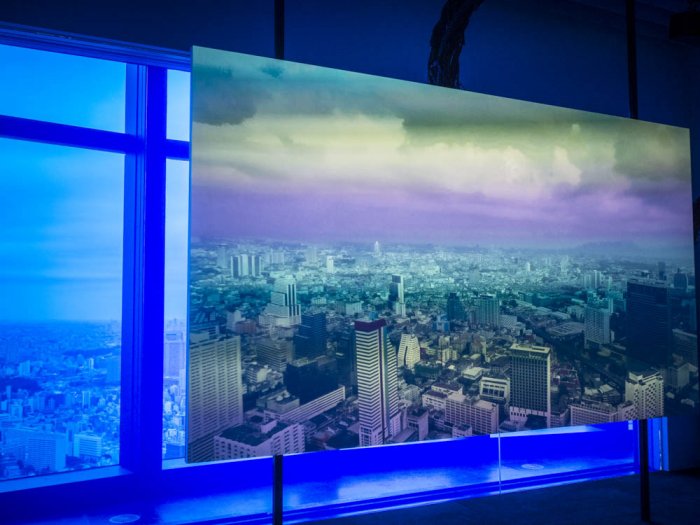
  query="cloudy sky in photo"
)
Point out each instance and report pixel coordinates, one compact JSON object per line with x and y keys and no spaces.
{"x":296,"y":152}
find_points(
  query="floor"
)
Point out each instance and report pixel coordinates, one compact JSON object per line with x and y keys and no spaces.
{"x":614,"y":501}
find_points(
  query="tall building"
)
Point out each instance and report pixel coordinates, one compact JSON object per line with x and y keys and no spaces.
{"x":455,"y":308}
{"x":175,"y":353}
{"x":596,"y":326}
{"x":87,"y":445}
{"x":215,"y":398}
{"x":409,"y":351}
{"x":649,"y":338}
{"x":283,"y":309}
{"x":309,"y":379}
{"x":377,"y":383}
{"x":330,"y":264}
{"x":311,"y":255}
{"x":480,"y":415}
{"x":45,"y":451}
{"x":221,"y":259}
{"x":276,"y":353}
{"x":661,"y":274}
{"x":311,"y":338}
{"x":396,"y":295}
{"x":488,"y":311}
{"x":530,"y":386}
{"x":246,"y":265}
{"x":377,"y":249}
{"x":680,"y":280}
{"x":645,"y":390}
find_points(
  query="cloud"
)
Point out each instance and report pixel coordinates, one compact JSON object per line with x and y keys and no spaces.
{"x":353,"y":145}
{"x":212,"y":105}
{"x":653,"y":152}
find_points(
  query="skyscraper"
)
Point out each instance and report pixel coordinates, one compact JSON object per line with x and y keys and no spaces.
{"x":246,"y":265}
{"x":175,"y":353}
{"x":215,"y":395}
{"x":455,"y":308}
{"x":283,"y":308}
{"x":488,"y":310}
{"x":409,"y":351}
{"x":649,"y":336}
{"x":530,"y":388}
{"x":310,"y":341}
{"x":597,"y":326}
{"x":377,"y":383}
{"x":221,"y":259}
{"x":646,"y":392}
{"x":396,"y":295}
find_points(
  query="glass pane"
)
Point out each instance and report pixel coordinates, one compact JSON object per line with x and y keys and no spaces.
{"x":239,"y":492}
{"x":178,"y":116}
{"x":335,"y":481}
{"x":60,"y":308}
{"x":175,"y":349}
{"x":566,"y":454}
{"x":65,"y":89}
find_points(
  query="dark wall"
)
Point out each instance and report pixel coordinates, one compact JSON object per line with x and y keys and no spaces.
{"x":552,"y":51}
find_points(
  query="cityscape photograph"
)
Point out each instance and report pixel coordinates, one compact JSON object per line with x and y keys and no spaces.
{"x":374,"y":261}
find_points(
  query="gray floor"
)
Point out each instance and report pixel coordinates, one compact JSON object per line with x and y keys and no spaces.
{"x":675,"y":499}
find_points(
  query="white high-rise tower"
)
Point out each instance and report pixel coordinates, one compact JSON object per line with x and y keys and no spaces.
{"x":409,"y":351}
{"x":215,"y":395}
{"x":283,"y":309}
{"x":646,"y":392}
{"x":377,"y":384}
{"x":530,"y":386}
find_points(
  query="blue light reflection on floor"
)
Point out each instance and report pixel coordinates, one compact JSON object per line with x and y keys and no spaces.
{"x":230,"y":490}
{"x":336,"y":477}
{"x":360,"y":480}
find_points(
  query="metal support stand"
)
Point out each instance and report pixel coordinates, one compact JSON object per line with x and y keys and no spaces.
{"x":277,"y":486}
{"x":633,"y":92}
{"x":644,"y":492}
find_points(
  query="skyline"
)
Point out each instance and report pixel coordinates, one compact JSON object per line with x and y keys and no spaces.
{"x":327,"y":155}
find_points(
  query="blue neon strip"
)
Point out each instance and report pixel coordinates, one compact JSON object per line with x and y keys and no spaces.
{"x":65,"y":135}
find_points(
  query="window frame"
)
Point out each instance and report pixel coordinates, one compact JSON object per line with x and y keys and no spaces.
{"x":146,"y":148}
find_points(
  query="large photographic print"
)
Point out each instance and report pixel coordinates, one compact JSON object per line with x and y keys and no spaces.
{"x":375,"y":261}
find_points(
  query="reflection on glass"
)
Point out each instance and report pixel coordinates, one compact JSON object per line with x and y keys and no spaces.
{"x":60,"y":308}
{"x":175,"y":350}
{"x":65,"y":89}
{"x":178,"y":109}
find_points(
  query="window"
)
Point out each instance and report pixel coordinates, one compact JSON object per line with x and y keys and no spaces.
{"x":61,"y":268}
{"x":174,"y":345}
{"x":89,"y":298}
{"x":75,"y":294}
